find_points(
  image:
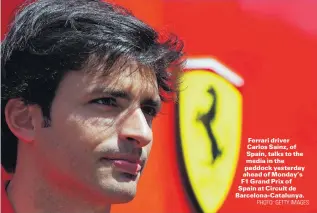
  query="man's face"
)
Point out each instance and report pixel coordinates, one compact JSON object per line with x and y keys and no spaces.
{"x":100,"y":134}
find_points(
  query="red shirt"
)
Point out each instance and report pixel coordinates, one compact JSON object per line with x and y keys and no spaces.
{"x":6,"y":206}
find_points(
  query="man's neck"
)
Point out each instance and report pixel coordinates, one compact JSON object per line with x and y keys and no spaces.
{"x":28,"y":192}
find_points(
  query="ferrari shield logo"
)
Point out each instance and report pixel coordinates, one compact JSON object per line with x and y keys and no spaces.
{"x":209,"y":125}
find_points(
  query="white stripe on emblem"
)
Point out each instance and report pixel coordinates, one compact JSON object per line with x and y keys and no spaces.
{"x":217,"y":67}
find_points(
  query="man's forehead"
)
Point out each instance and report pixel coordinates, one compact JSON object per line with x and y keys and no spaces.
{"x":122,"y":67}
{"x":123,"y":85}
{"x":123,"y":70}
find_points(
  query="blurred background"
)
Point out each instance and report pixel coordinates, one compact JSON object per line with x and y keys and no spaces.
{"x":251,"y":72}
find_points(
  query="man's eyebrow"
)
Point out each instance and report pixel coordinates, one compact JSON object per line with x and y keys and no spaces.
{"x":151,"y":102}
{"x":111,"y":92}
{"x":123,"y":94}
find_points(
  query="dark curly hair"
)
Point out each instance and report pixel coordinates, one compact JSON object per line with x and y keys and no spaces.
{"x":48,"y":38}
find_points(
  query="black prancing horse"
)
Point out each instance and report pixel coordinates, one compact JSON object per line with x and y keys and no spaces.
{"x":206,"y":119}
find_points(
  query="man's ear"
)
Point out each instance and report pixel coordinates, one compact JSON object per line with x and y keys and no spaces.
{"x":21,"y":119}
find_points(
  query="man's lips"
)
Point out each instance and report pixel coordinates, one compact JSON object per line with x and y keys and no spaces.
{"x":132,"y":167}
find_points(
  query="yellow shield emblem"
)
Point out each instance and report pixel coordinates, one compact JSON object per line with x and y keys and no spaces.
{"x":209,"y":125}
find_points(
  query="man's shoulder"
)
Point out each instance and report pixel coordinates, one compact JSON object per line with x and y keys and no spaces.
{"x":5,"y":203}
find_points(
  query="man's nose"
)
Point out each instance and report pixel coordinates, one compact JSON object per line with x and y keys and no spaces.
{"x":135,"y":128}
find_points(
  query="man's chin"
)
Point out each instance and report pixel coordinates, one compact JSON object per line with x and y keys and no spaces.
{"x":122,"y":194}
{"x":119,"y":190}
{"x":123,"y":199}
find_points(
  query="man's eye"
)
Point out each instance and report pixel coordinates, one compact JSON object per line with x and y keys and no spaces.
{"x":149,"y":110}
{"x":105,"y":101}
